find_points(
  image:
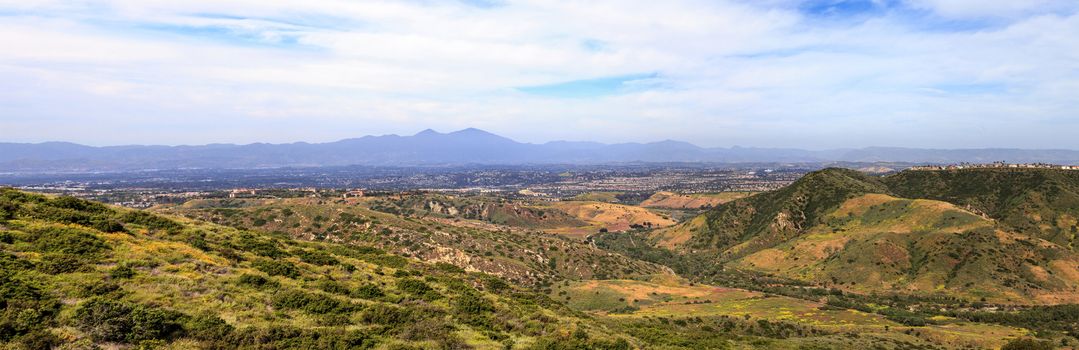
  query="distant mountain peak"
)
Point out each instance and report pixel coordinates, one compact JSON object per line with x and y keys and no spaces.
{"x":473,"y":131}
{"x":428,"y":132}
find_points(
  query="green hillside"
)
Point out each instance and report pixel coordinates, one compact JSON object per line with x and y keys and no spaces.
{"x":879,"y":243}
{"x":1039,"y":202}
{"x":764,"y":220}
{"x":520,"y":256}
{"x":493,"y":210}
{"x":841,"y":229}
{"x":80,"y":273}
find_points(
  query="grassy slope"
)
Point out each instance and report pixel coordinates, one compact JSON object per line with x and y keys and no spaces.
{"x":487,"y":209}
{"x":627,"y":300}
{"x":825,"y":229}
{"x":743,"y":226}
{"x":671,"y":200}
{"x":881,"y":243}
{"x":1039,"y":202}
{"x":530,"y":258}
{"x":610,"y":216}
{"x":80,"y":272}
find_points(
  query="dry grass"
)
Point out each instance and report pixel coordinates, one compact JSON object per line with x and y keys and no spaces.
{"x":671,"y":200}
{"x":613,"y":217}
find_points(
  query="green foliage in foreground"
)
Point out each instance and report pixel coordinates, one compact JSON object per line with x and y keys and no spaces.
{"x":150,"y":281}
{"x":157,"y":282}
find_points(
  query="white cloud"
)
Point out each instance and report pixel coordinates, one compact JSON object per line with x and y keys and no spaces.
{"x":127,"y":71}
{"x":967,"y":9}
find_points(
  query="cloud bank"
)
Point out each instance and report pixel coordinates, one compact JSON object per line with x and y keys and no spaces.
{"x":781,"y":73}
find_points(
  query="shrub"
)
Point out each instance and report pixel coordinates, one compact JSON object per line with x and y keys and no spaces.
{"x":315,"y":257}
{"x":1028,"y":344}
{"x":24,"y":308}
{"x":495,"y":284}
{"x":57,"y":263}
{"x":8,"y":209}
{"x":97,"y":288}
{"x":151,"y":323}
{"x":67,"y":202}
{"x":112,"y":320}
{"x":292,"y":338}
{"x":150,"y":221}
{"x":276,"y":268}
{"x":39,"y":339}
{"x":368,"y":291}
{"x":310,"y":302}
{"x":57,"y":215}
{"x":108,"y":225}
{"x":333,"y":287}
{"x":387,"y":315}
{"x":207,"y":326}
{"x":249,"y":242}
{"x":67,"y":240}
{"x":256,"y":281}
{"x":418,"y":289}
{"x":122,"y":272}
{"x":473,"y":309}
{"x":447,"y":267}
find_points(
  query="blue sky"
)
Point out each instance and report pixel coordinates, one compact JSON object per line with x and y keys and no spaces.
{"x":771,"y":73}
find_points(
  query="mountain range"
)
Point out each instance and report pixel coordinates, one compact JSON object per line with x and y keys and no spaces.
{"x":467,"y":146}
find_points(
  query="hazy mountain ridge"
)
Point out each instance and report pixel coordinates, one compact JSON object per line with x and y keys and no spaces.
{"x":468,"y":146}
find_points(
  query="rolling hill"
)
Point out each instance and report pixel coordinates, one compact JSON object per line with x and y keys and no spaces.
{"x":1040,"y":202}
{"x":977,"y":237}
{"x":522,"y":256}
{"x":82,"y":275}
{"x":671,"y":200}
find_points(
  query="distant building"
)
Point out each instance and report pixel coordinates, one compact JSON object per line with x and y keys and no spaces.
{"x":353,"y":193}
{"x":241,"y":192}
{"x":994,"y":165}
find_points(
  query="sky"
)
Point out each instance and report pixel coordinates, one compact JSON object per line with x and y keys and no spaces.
{"x":811,"y":74}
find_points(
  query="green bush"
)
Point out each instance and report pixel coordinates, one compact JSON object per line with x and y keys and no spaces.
{"x":495,"y":284}
{"x":332,"y":287}
{"x":58,"y":263}
{"x":98,"y":288}
{"x":122,"y":272}
{"x":292,"y":338}
{"x":150,"y":221}
{"x":447,"y":267}
{"x":207,"y":326}
{"x":387,"y":315}
{"x":1028,"y":344}
{"x":40,"y":339}
{"x":266,"y":248}
{"x":111,"y":320}
{"x":313,"y":303}
{"x":316,"y":257}
{"x":24,"y":307}
{"x":368,"y":291}
{"x":67,"y":202}
{"x":472,"y":309}
{"x":256,"y":281}
{"x":417,"y":288}
{"x":7,"y":209}
{"x":277,"y":268}
{"x":67,"y":240}
{"x":108,"y":225}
